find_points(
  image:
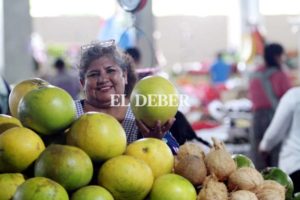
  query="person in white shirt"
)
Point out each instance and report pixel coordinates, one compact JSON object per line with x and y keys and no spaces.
{"x":285,"y":128}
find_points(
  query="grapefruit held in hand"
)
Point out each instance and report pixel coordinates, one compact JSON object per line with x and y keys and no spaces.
{"x":153,"y":99}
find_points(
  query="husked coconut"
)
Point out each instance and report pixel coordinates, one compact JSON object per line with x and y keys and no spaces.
{"x":213,"y":190}
{"x":270,"y":190}
{"x":245,"y":178}
{"x":219,"y":161}
{"x":243,"y":195}
{"x":191,"y":167}
{"x":189,"y":148}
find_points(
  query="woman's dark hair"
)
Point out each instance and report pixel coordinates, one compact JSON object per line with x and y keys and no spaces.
{"x":131,"y":74}
{"x":135,"y":53}
{"x":271,"y":53}
{"x":96,"y":50}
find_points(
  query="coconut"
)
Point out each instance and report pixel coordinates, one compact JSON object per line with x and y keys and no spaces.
{"x":270,"y":190}
{"x":219,"y":161}
{"x":213,"y":190}
{"x":189,"y":148}
{"x":192,"y":168}
{"x":245,"y":178}
{"x":243,"y":195}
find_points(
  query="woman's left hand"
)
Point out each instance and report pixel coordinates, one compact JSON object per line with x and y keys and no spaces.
{"x":157,"y":131}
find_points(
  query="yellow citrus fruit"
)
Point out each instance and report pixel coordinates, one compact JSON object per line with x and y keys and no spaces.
{"x":7,"y":122}
{"x":9,"y":183}
{"x":154,"y":98}
{"x":126,"y":177}
{"x":156,"y":153}
{"x":172,"y":187}
{"x":40,"y":188}
{"x":19,"y":148}
{"x":92,"y":192}
{"x":100,"y":135}
{"x":19,"y":91}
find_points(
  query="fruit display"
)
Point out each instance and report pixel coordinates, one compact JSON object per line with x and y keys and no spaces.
{"x":230,"y":177}
{"x":93,"y":160}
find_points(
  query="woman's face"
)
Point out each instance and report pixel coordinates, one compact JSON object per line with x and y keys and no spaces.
{"x":103,"y":79}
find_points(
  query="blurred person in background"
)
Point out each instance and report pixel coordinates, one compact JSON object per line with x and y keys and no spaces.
{"x":104,"y":71}
{"x":219,"y":70}
{"x":4,"y":94}
{"x":267,"y":85}
{"x":65,"y":79}
{"x":135,"y":53}
{"x":284,"y":128}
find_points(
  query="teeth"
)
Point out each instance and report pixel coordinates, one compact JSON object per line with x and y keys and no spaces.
{"x":104,"y":88}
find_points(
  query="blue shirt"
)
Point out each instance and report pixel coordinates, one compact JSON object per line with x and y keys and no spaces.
{"x":131,"y":129}
{"x":220,"y":71}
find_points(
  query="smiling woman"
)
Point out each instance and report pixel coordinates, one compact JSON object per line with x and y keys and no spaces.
{"x":107,"y":73}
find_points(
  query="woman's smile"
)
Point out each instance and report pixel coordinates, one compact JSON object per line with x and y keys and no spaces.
{"x":105,"y":88}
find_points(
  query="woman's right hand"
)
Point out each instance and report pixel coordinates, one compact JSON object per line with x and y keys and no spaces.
{"x":158,"y":131}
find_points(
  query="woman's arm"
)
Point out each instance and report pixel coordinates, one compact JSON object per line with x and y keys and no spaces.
{"x":280,"y":123}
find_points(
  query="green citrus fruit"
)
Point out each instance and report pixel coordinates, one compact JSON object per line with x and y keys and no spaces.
{"x":156,"y":153}
{"x":40,"y":188}
{"x":9,"y":183}
{"x":154,"y":98}
{"x":276,"y":174}
{"x":242,"y":161}
{"x":20,"y":90}
{"x":7,"y":122}
{"x":297,"y":196}
{"x":47,"y":110}
{"x":100,"y":135}
{"x":92,"y":192}
{"x":69,"y":166}
{"x":126,"y":177}
{"x":172,"y":187}
{"x":19,"y":148}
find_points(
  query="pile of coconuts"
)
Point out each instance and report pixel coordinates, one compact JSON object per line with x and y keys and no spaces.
{"x":218,"y":177}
